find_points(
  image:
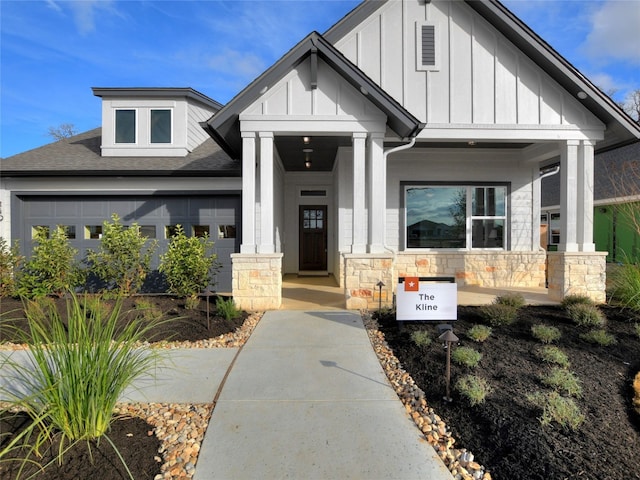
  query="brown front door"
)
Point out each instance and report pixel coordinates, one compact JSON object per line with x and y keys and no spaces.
{"x":313,"y":237}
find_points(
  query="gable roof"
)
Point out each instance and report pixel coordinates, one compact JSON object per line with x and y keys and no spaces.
{"x":81,"y":155}
{"x":224,"y":126}
{"x":621,"y":129}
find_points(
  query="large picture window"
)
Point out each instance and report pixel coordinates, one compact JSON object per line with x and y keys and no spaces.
{"x":455,"y":216}
{"x":125,"y":126}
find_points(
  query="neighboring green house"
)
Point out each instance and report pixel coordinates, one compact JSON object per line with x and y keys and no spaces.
{"x":616,"y":212}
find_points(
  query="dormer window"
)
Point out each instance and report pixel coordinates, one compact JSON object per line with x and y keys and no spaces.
{"x":160,"y":126}
{"x":125,"y":126}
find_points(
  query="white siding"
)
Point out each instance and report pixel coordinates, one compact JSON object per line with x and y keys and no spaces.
{"x":483,"y":79}
{"x":196,"y":113}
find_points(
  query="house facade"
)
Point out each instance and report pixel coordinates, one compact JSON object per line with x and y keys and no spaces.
{"x":408,"y":140}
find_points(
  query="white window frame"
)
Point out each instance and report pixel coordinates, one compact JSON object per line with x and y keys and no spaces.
{"x":469,"y":187}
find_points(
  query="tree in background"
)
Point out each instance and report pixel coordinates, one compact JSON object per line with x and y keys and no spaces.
{"x":62,"y":131}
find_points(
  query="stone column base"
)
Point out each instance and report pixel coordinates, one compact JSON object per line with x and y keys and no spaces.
{"x":362,"y":272}
{"x":577,"y":273}
{"x":257,"y":281}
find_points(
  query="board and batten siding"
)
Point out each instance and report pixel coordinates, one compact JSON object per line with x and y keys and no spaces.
{"x":482,"y":78}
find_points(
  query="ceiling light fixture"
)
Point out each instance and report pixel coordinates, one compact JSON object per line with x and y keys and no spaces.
{"x":581,"y":95}
{"x":307,"y":157}
{"x":471,"y":143}
{"x":306,"y":140}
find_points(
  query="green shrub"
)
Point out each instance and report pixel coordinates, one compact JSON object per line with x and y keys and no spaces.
{"x":498,"y":314}
{"x":10,"y":260}
{"x":123,"y":258}
{"x":551,"y":354}
{"x":479,"y":333}
{"x":78,"y":371}
{"x":188,"y":264}
{"x":586,"y":315}
{"x":466,"y":356}
{"x":146,"y":310}
{"x":515,"y":300}
{"x":576,"y":299}
{"x":52,"y":268}
{"x":563,"y":381}
{"x":191,"y":303}
{"x":636,"y":328}
{"x":545,"y":333}
{"x":599,"y":336}
{"x":422,"y":338}
{"x":227,"y":308}
{"x":473,"y":388}
{"x":559,"y":409}
{"x":624,"y":286}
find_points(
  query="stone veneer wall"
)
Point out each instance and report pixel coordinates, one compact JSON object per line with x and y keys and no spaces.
{"x":257,"y":281}
{"x":581,"y":273}
{"x":487,"y":269}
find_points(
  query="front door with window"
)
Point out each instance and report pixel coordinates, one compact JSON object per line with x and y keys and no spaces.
{"x":313,"y":237}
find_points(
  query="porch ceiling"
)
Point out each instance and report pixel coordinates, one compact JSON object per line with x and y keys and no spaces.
{"x":290,"y":149}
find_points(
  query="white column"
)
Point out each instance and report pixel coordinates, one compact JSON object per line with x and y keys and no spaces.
{"x":267,"y":244}
{"x":585,"y":197}
{"x":359,"y":242}
{"x":569,"y":196}
{"x":536,"y":208}
{"x":377,"y":192}
{"x":248,"y":193}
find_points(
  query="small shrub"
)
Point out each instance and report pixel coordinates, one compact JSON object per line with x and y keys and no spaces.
{"x":585,"y":315}
{"x":563,"y":381}
{"x":554,"y":355}
{"x":466,"y":356}
{"x":52,"y":268}
{"x":498,"y":314}
{"x":636,"y":328}
{"x":479,"y":333}
{"x":227,"y":308}
{"x":192,"y":302}
{"x":422,"y":338}
{"x":473,"y":388}
{"x":147,"y":310}
{"x":599,"y":336}
{"x":123,"y":257}
{"x":10,"y":260}
{"x":515,"y":300}
{"x":545,"y":333}
{"x":96,"y":306}
{"x":188,"y":264}
{"x":624,"y":287}
{"x":559,"y":409}
{"x":576,"y":299}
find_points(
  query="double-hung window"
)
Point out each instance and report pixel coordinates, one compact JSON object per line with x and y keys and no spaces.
{"x":455,"y":216}
{"x":160,"y":126}
{"x":125,"y":126}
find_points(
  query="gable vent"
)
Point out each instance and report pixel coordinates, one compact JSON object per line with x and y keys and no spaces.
{"x":428,"y":45}
{"x":427,"y":55}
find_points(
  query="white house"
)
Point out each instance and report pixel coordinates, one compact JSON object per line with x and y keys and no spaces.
{"x":407,"y":140}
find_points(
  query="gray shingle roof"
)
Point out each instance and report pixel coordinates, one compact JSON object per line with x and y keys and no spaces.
{"x":80,"y":155}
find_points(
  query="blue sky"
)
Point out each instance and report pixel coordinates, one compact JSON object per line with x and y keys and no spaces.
{"x":52,"y":52}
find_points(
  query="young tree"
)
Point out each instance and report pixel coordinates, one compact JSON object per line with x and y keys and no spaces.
{"x":64,"y":130}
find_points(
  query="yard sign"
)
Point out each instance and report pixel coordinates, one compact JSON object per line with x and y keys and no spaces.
{"x":421,"y":298}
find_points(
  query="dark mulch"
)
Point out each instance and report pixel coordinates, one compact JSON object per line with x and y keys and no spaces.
{"x":504,"y":433}
{"x":130,"y":436}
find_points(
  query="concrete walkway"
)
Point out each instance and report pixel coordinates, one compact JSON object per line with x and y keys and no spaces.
{"x":307,"y":398}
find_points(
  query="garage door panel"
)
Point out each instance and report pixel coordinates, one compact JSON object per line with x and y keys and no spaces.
{"x":87,"y":214}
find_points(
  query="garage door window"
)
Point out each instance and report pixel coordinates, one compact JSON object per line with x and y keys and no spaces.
{"x":226,"y":231}
{"x":200,"y":231}
{"x":34,"y":230}
{"x":148,"y":231}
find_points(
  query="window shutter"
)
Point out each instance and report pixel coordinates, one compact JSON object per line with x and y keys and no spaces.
{"x":428,"y":46}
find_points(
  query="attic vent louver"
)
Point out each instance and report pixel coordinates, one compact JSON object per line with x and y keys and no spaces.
{"x":428,"y":45}
{"x":427,"y":55}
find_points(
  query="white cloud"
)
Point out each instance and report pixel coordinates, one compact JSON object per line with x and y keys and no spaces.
{"x":614,"y":33}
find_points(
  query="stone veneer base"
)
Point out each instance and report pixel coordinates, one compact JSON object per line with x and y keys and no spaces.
{"x":577,"y":273}
{"x":257,"y":281}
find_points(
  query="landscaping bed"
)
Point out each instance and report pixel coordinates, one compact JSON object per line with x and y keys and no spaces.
{"x":504,"y":433}
{"x":157,"y":441}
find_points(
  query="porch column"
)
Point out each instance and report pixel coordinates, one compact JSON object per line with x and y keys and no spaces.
{"x":248,"y":244}
{"x":585,"y":197}
{"x":377,"y":192}
{"x":359,"y":242}
{"x":569,"y":196}
{"x":267,"y":244}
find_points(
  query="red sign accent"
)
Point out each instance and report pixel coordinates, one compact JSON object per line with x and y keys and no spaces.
{"x":411,"y":284}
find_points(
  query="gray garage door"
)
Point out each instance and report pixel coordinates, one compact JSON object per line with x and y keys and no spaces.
{"x":218,"y":215}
